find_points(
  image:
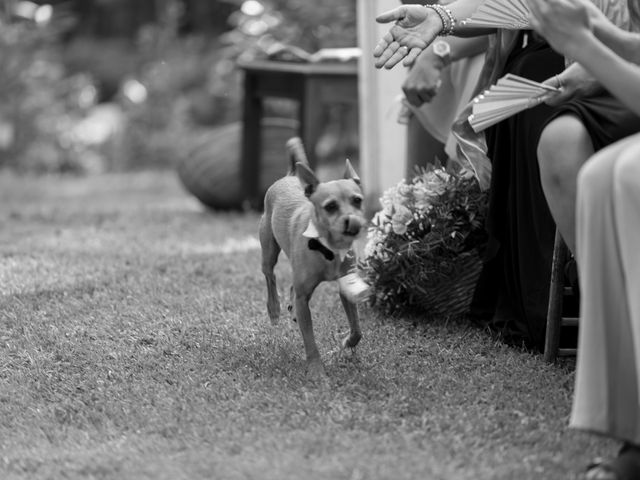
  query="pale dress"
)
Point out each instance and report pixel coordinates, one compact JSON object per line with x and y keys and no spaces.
{"x":607,"y":393}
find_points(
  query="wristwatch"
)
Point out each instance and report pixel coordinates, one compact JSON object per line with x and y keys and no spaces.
{"x":443,"y":50}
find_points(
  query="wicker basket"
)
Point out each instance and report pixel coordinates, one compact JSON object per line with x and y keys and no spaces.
{"x":211,"y":171}
{"x":452,"y":295}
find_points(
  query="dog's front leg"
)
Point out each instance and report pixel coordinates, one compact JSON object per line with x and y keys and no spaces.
{"x":303,"y":316}
{"x":355,"y":334}
{"x":348,"y":269}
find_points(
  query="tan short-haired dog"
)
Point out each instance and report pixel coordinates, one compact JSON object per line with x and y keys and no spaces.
{"x":315,"y":225}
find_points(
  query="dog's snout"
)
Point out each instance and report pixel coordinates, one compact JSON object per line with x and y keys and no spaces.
{"x":352,"y":225}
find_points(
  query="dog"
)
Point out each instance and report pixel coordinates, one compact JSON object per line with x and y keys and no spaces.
{"x":315,"y":224}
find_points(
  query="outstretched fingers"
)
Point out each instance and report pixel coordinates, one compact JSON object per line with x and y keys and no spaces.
{"x":411,"y":57}
{"x":396,"y":45}
{"x":391,"y":55}
{"x":383,"y":44}
{"x":394,"y":53}
{"x":397,"y":57}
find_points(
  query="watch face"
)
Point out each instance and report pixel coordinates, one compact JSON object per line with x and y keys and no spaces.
{"x":441,"y":48}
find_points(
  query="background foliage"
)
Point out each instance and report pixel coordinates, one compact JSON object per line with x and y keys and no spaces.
{"x":114,"y":84}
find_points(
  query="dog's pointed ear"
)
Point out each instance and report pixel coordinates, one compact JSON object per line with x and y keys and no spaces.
{"x":307,"y":178}
{"x":350,"y":173}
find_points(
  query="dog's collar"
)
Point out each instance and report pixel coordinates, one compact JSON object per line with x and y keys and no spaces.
{"x":316,"y":242}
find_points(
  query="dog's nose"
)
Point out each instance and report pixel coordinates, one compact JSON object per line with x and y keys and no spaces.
{"x":352,"y":225}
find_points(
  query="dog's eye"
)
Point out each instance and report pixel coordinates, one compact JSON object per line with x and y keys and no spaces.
{"x":331,"y":207}
{"x":357,"y":202}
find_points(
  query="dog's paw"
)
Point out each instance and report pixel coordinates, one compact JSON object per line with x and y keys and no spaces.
{"x":343,"y":356}
{"x":354,"y":288}
{"x":315,"y":371}
{"x":351,"y":340}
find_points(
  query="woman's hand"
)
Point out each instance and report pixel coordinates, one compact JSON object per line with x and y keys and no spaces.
{"x":564,"y":23}
{"x":423,"y":80}
{"x":575,"y":81}
{"x":414,"y":30}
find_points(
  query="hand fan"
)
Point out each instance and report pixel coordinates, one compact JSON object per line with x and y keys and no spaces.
{"x":510,"y":95}
{"x":508,"y":14}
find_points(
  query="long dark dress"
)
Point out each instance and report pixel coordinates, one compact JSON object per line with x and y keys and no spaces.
{"x":512,"y":293}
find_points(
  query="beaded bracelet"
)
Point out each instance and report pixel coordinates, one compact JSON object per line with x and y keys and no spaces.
{"x":447,"y":18}
{"x":453,"y":21}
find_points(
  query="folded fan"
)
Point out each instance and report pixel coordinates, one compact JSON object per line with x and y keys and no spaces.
{"x":510,"y":95}
{"x":508,"y":14}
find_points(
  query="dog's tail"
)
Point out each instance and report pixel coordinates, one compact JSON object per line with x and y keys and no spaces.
{"x":296,"y":154}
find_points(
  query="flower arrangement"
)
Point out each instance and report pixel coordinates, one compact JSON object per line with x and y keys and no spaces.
{"x":424,"y":248}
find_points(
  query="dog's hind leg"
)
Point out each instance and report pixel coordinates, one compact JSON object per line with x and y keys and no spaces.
{"x":355,"y":334}
{"x":270,"y":252}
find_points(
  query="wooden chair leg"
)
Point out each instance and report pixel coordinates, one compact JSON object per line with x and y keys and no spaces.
{"x":556,"y":297}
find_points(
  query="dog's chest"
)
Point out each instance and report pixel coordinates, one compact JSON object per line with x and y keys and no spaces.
{"x":332,"y":269}
{"x":305,"y":257}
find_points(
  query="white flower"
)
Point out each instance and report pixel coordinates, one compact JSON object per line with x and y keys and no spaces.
{"x":394,"y":195}
{"x":423,"y":198}
{"x":374,"y":240}
{"x":401,"y":219}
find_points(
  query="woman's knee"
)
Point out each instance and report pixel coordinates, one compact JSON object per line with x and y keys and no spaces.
{"x":563,"y":148}
{"x":621,"y":159}
{"x":626,"y":174}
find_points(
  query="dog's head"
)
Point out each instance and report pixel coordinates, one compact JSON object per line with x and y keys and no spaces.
{"x":338,"y":204}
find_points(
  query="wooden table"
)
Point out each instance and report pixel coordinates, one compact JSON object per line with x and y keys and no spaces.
{"x":312,"y":85}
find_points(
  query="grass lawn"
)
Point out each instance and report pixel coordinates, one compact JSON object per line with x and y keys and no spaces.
{"x":134,"y":343}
